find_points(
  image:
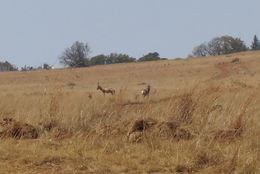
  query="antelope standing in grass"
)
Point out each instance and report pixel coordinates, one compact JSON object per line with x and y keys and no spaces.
{"x":106,"y":90}
{"x":145,"y":92}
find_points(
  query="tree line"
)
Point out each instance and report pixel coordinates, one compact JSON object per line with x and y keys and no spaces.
{"x":224,"y":45}
{"x":78,"y":56}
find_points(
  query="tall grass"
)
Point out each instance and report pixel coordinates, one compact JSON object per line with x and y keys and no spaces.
{"x":191,"y":122}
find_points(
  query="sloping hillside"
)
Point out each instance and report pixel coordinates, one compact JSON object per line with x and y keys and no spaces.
{"x":201,"y":116}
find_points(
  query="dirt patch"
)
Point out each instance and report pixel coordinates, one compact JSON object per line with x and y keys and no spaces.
{"x":9,"y":128}
{"x":225,"y":70}
{"x":229,"y":68}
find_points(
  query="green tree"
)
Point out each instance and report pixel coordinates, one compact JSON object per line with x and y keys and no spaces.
{"x":119,"y":58}
{"x":76,"y":55}
{"x":150,"y":57}
{"x":236,"y":45}
{"x":220,"y":45}
{"x":255,"y":44}
{"x":98,"y":60}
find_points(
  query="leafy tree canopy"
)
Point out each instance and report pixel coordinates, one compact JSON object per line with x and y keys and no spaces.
{"x":150,"y":57}
{"x":76,"y":55}
{"x":219,"y":46}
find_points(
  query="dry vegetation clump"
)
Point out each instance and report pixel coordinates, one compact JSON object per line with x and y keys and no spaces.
{"x":9,"y":128}
{"x":167,"y":129}
{"x":186,"y":106}
{"x":48,"y":125}
{"x":158,"y":130}
{"x":235,"y":60}
{"x":142,"y":125}
{"x":237,"y":128}
{"x":196,"y":119}
{"x":138,"y":127}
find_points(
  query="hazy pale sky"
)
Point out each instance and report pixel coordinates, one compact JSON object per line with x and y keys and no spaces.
{"x":33,"y":32}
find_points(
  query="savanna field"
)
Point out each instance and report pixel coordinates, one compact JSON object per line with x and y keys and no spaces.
{"x":202,"y":116}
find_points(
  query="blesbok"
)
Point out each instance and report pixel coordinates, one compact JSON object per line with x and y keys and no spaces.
{"x":106,"y":90}
{"x":145,"y":92}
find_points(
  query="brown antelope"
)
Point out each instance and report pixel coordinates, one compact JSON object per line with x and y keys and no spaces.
{"x":106,"y":90}
{"x":145,"y":92}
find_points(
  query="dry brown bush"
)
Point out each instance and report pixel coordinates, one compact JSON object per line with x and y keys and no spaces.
{"x":9,"y":128}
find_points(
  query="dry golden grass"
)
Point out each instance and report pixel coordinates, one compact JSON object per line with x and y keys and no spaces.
{"x":202,"y":116}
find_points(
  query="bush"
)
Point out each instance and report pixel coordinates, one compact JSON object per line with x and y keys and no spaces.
{"x":111,"y":59}
{"x":150,"y":57}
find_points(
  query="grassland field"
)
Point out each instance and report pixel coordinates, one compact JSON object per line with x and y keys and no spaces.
{"x":202,"y":116}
